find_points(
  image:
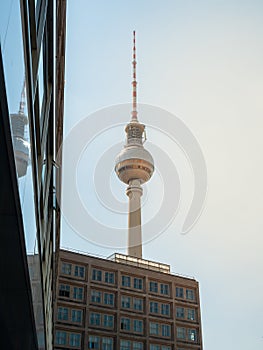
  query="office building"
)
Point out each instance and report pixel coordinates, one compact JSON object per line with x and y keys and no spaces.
{"x":125,"y":303}
{"x":32,"y":37}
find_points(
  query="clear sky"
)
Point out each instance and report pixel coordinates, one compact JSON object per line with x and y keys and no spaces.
{"x":201,"y":61}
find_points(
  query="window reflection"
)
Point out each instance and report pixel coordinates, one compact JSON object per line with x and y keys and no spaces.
{"x":19,"y":123}
{"x":41,"y":84}
{"x":11,"y":39}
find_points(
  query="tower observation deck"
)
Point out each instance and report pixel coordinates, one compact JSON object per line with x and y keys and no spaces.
{"x":134,"y":166}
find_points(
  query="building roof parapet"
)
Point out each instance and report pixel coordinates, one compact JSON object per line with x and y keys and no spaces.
{"x":131,"y":261}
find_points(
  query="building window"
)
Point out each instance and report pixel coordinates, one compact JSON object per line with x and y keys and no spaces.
{"x":137,"y":345}
{"x":165,"y":347}
{"x":107,"y":344}
{"x":63,"y":313}
{"x":125,"y":302}
{"x":138,"y":326}
{"x":191,"y":314}
{"x":94,"y":319}
{"x":74,"y":339}
{"x":192,"y":335}
{"x":154,"y":287}
{"x":108,"y":321}
{"x":79,"y":271}
{"x":61,"y":338}
{"x":154,"y":307}
{"x":137,"y":283}
{"x":125,"y":345}
{"x":165,"y":309}
{"x":166,"y":330}
{"x":96,"y":275}
{"x":179,"y":292}
{"x":138,"y":304}
{"x":95,"y":296}
{"x":78,"y":293}
{"x":165,"y":289}
{"x":153,"y":328}
{"x":94,"y":342}
{"x":125,"y":324}
{"x":76,"y":316}
{"x":108,"y":299}
{"x":155,"y":347}
{"x":180,"y":312}
{"x":180,"y":332}
{"x":109,"y":277}
{"x":64,"y":290}
{"x":126,"y":281}
{"x":66,"y":269}
{"x":190,"y":295}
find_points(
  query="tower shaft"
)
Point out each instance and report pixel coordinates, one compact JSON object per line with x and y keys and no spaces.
{"x":134,"y":192}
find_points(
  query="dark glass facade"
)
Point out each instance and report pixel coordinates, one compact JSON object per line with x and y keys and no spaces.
{"x":32,"y":39}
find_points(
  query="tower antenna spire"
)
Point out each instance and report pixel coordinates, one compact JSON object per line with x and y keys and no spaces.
{"x":134,"y":82}
{"x":23,"y":99}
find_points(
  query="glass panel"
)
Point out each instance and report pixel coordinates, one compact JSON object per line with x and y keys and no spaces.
{"x":63,"y":313}
{"x":96,"y":275}
{"x":154,"y":287}
{"x":179,"y":292}
{"x":94,"y":342}
{"x":109,"y":277}
{"x":153,"y":328}
{"x":66,"y":268}
{"x":108,"y":321}
{"x":137,"y":304}
{"x":126,"y":281}
{"x":190,"y":294}
{"x":180,"y":312}
{"x":138,"y":326}
{"x":191,"y":314}
{"x":11,"y":40}
{"x":108,"y":299}
{"x":79,"y":271}
{"x":76,"y":316}
{"x":61,"y":338}
{"x":41,"y":82}
{"x":125,"y":302}
{"x":95,"y":319}
{"x":137,"y":283}
{"x":74,"y":339}
{"x":107,"y":344}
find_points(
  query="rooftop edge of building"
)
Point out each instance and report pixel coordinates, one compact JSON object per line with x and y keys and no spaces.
{"x":128,"y":260}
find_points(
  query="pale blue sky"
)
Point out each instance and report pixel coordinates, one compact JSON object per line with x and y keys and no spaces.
{"x":201,"y":61}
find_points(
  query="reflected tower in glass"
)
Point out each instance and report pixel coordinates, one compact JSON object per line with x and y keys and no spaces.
{"x":32,"y":50}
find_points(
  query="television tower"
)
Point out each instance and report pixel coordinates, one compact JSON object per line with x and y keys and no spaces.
{"x":134,"y":166}
{"x":19,"y":121}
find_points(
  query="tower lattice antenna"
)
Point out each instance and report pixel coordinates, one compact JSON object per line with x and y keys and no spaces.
{"x":134,"y":82}
{"x":23,"y":99}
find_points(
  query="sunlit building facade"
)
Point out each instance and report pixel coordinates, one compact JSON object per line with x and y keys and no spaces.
{"x":124,"y":303}
{"x":32,"y":38}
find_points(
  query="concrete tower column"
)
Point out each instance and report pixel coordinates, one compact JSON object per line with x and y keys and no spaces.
{"x":134,"y":192}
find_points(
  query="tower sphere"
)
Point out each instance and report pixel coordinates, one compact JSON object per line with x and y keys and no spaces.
{"x":134,"y":162}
